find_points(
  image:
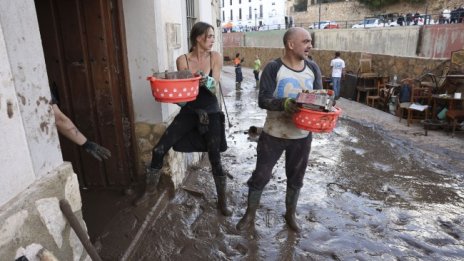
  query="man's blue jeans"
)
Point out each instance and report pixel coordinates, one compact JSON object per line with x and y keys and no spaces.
{"x":336,"y":85}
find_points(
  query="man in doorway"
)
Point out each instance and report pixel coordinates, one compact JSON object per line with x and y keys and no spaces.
{"x":282,"y":79}
{"x":338,"y":71}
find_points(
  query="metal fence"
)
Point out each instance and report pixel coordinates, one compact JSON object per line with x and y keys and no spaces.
{"x":368,"y":22}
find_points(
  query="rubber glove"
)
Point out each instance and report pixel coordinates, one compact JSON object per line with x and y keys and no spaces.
{"x":203,"y":79}
{"x":290,"y":106}
{"x":97,"y":151}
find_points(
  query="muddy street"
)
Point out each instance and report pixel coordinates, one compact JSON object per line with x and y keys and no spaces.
{"x":366,"y":196}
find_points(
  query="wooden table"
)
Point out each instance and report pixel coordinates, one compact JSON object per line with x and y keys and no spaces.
{"x":450,"y":101}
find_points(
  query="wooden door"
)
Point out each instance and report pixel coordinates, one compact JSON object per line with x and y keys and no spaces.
{"x":82,"y":42}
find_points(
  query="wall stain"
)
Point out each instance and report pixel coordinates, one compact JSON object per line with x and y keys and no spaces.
{"x":22,"y":98}
{"x":44,"y":127}
{"x":9,"y":108}
{"x":42,"y":99}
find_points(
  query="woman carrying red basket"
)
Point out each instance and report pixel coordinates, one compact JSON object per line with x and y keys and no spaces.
{"x":202,"y":115}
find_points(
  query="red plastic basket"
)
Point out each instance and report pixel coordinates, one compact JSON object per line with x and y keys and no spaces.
{"x":316,"y":121}
{"x":174,"y":90}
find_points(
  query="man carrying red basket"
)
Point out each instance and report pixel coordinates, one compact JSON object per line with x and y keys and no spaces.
{"x":281,"y":81}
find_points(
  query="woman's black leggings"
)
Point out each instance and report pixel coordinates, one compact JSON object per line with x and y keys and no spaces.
{"x":182,"y":124}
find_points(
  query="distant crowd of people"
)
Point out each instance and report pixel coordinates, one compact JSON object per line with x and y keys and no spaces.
{"x":452,"y":16}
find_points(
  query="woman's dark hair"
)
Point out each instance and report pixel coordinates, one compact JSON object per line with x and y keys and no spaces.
{"x":237,"y":55}
{"x":198,"y":29}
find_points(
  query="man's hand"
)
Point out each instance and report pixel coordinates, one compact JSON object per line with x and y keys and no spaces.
{"x":97,"y":151}
{"x":290,"y":106}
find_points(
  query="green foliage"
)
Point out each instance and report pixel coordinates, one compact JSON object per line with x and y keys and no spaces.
{"x":300,"y":5}
{"x":376,"y":4}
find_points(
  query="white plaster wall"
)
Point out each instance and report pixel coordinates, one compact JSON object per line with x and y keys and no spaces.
{"x":25,"y":55}
{"x":147,"y":53}
{"x":14,"y":153}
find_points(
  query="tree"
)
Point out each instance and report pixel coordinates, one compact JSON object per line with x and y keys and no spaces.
{"x":377,"y":4}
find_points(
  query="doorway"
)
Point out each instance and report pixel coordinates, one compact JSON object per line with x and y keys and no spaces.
{"x":85,"y":58}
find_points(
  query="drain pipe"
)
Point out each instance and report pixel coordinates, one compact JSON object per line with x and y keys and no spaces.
{"x":80,"y":232}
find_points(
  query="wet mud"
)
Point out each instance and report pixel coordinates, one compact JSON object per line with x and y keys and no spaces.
{"x":366,"y":196}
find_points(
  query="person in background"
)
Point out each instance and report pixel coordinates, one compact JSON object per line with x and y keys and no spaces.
{"x":338,"y":71}
{"x":202,"y":114}
{"x":400,"y":20}
{"x":67,"y":128}
{"x":446,"y":15}
{"x":257,"y":69}
{"x":238,"y":71}
{"x":281,"y":81}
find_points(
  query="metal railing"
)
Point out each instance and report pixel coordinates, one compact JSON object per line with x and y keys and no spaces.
{"x":368,"y":22}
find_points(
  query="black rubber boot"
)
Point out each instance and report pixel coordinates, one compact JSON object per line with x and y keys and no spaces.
{"x":152,"y":177}
{"x":238,"y":86}
{"x":291,"y":200}
{"x":254,"y":196}
{"x":257,"y":83}
{"x":221,"y":185}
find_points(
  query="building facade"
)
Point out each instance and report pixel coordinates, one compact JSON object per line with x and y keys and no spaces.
{"x":252,"y":15}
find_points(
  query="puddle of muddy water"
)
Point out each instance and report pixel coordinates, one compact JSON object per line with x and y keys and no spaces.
{"x":365,"y":197}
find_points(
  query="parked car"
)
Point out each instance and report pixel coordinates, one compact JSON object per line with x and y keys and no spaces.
{"x":370,"y":23}
{"x":324,"y":25}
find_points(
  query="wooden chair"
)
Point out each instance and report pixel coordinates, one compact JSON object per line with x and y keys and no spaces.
{"x":420,"y":100}
{"x":365,"y":73}
{"x":380,"y":96}
{"x":435,"y":79}
{"x":453,"y":116}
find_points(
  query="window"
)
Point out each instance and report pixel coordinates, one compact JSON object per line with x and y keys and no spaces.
{"x":223,"y":16}
{"x":239,"y":1}
{"x":231,"y":15}
{"x":240,"y":13}
{"x":222,"y":3}
{"x":191,"y":18}
{"x":261,"y":11}
{"x":230,"y":2}
{"x":250,"y":16}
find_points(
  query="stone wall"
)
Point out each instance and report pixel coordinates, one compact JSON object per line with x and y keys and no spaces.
{"x":434,"y":41}
{"x":386,"y":65}
{"x":33,"y":221}
{"x":175,"y":163}
{"x":354,"y":11}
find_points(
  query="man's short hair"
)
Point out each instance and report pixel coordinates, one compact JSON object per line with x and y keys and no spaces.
{"x":288,"y":34}
{"x":337,"y":54}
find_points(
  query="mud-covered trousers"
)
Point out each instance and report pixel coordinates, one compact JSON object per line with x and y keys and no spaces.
{"x":269,"y":151}
{"x":180,"y":126}
{"x":238,"y":74}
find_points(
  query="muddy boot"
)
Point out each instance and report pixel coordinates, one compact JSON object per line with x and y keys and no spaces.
{"x":221,"y":184}
{"x":254,"y":196}
{"x":152,"y":178}
{"x":257,"y":83}
{"x":291,"y":200}
{"x":238,"y":86}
